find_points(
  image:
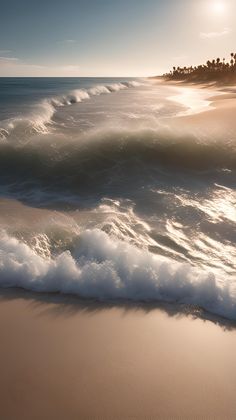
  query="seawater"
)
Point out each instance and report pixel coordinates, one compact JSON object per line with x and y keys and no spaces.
{"x":138,"y":207}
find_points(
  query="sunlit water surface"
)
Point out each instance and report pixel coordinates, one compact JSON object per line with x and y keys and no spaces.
{"x":139,"y":208}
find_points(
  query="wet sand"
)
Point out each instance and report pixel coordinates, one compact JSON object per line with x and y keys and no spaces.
{"x":63,"y":359}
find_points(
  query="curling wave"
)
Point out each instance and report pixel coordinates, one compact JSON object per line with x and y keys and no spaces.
{"x":39,"y":119}
{"x":105,"y":268}
{"x":36,"y":122}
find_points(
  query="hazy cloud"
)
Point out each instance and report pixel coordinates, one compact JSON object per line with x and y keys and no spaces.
{"x":69,"y":41}
{"x":3,"y":52}
{"x":8,"y":60}
{"x":10,"y":66}
{"x":212,"y":35}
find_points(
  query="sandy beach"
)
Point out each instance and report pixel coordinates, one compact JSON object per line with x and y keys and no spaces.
{"x":65,"y":359}
{"x":218,"y":117}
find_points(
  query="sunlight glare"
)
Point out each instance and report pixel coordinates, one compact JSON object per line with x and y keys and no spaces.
{"x":218,"y":7}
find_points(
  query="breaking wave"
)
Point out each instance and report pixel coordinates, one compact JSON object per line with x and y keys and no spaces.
{"x":39,"y":119}
{"x":101,"y":267}
{"x":34,"y":123}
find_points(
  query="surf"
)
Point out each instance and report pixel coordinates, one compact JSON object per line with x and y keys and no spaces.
{"x":106,"y":269}
{"x":38,"y":120}
{"x":147,"y":198}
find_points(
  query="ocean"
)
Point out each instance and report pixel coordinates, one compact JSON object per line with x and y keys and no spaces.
{"x":134,"y":204}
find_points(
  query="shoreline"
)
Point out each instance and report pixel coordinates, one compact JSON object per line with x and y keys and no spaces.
{"x":170,"y":309}
{"x":215,"y":119}
{"x":30,"y":219}
{"x":197,"y":83}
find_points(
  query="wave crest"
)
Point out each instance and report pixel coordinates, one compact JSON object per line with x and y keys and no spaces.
{"x":37,"y":121}
{"x":104,"y":268}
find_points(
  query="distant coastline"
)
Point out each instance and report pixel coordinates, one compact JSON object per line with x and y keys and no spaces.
{"x":215,"y":71}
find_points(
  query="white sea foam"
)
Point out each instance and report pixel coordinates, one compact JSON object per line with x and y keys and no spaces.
{"x":77,"y":95}
{"x":134,"y":83}
{"x":102,"y":267}
{"x":98,"y":90}
{"x":114,"y":87}
{"x":41,"y":116}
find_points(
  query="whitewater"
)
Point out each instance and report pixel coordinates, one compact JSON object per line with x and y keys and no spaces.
{"x":109,"y":192}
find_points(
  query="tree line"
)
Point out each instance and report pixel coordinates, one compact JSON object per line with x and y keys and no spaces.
{"x":214,"y":70}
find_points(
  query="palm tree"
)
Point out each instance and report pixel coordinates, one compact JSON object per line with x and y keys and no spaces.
{"x":208,"y":64}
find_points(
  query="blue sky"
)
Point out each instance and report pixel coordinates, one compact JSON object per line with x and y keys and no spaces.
{"x":112,"y":38}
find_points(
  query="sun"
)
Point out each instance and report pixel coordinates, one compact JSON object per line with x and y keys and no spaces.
{"x":218,"y":7}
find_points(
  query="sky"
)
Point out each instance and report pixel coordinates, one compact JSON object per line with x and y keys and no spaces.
{"x":112,"y":37}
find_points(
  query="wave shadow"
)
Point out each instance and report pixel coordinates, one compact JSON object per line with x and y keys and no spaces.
{"x":57,"y":305}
